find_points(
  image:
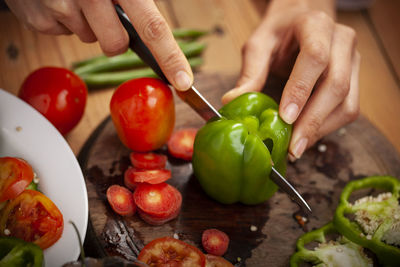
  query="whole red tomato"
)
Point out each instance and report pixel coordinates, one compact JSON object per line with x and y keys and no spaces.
{"x":59,"y":94}
{"x":143,"y":113}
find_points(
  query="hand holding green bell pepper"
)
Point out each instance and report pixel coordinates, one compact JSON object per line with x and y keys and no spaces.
{"x":340,"y":252}
{"x":377,"y":219}
{"x":15,"y":252}
{"x":233,"y":155}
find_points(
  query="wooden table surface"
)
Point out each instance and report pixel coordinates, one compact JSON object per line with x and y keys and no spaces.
{"x":22,"y":51}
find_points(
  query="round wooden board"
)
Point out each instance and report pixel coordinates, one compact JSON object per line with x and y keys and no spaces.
{"x":355,"y":151}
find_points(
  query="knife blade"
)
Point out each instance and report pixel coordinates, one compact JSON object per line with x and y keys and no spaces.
{"x":195,"y":100}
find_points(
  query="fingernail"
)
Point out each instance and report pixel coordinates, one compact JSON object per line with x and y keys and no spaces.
{"x":182,"y":81}
{"x":300,"y":147}
{"x":290,"y":113}
{"x":291,"y":158}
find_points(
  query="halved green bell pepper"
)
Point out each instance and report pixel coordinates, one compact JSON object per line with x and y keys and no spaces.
{"x":339,"y":252}
{"x":233,"y":155}
{"x":376,"y":223}
{"x":15,"y":252}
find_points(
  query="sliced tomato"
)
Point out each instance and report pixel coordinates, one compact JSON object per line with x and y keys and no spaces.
{"x":15,"y":175}
{"x":147,"y":176}
{"x":157,"y":203}
{"x":33,"y":217}
{"x":148,"y":161}
{"x":215,"y":242}
{"x":121,"y":200}
{"x":168,"y":251}
{"x":180,"y":145}
{"x":217,"y":261}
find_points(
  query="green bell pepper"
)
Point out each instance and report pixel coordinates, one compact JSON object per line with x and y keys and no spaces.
{"x":339,"y":252}
{"x":376,"y":224}
{"x":233,"y":155}
{"x":15,"y":252}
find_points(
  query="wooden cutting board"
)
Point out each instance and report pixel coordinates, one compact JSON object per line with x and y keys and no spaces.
{"x":261,"y":235}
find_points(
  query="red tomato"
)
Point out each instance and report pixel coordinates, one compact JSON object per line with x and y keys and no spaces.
{"x":168,"y":251}
{"x":33,"y":217}
{"x":59,"y":94}
{"x":217,"y":261}
{"x":15,"y":175}
{"x":143,"y":113}
{"x":180,"y":145}
{"x":215,"y":242}
{"x":121,"y":200}
{"x":157,"y":203}
{"x":147,"y":176}
{"x":148,"y":161}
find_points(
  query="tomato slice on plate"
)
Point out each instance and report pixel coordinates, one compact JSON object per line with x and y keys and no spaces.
{"x":215,"y":242}
{"x":148,"y":161}
{"x":15,"y":175}
{"x":147,"y":176}
{"x":180,"y":145}
{"x":121,"y":200}
{"x":33,"y":217}
{"x":217,"y":261}
{"x":168,"y":251}
{"x":157,"y":203}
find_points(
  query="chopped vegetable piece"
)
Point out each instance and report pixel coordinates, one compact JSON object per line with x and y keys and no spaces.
{"x":215,"y":242}
{"x":376,"y":219}
{"x":148,"y":161}
{"x":340,"y":252}
{"x":147,"y":176}
{"x":16,"y":252}
{"x":168,"y":251}
{"x":121,"y":200}
{"x":217,"y":261}
{"x":128,"y":181}
{"x":33,"y":217}
{"x":15,"y":175}
{"x":180,"y":145}
{"x":157,"y":203}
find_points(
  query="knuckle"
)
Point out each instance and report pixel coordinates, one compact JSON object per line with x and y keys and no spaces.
{"x":43,"y":25}
{"x":319,"y":53}
{"x":313,"y":126}
{"x":352,"y":112}
{"x":155,"y":28}
{"x":60,"y":9}
{"x":300,"y":91}
{"x":340,"y":86}
{"x":171,"y":60}
{"x":115,"y":46}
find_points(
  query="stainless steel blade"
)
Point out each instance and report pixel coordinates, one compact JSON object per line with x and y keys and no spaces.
{"x":283,"y":184}
{"x":198,"y":103}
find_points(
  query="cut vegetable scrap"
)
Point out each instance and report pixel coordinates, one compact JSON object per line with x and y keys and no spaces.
{"x":121,"y":200}
{"x":180,"y":144}
{"x":147,"y":176}
{"x":215,"y":242}
{"x":148,"y":161}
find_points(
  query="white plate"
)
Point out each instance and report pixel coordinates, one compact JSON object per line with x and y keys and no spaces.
{"x":25,"y":133}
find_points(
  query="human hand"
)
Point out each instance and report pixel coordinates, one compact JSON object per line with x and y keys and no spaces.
{"x":321,"y":93}
{"x":98,"y":21}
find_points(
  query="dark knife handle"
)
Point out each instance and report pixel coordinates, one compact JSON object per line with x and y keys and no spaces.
{"x":137,"y":45}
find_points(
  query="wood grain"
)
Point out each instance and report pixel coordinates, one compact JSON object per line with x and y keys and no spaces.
{"x":357,"y":151}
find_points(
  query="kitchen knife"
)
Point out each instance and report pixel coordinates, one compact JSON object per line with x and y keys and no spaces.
{"x":197,"y":101}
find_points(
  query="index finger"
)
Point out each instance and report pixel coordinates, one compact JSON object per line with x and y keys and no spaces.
{"x":314,"y":34}
{"x":156,"y":34}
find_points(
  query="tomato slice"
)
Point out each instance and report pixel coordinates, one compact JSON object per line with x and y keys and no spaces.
{"x":217,"y":261}
{"x":157,"y":203}
{"x":147,"y":176}
{"x":15,"y":175}
{"x":148,"y":161}
{"x":215,"y":242}
{"x":121,"y":200}
{"x":33,"y":217}
{"x":180,"y":145}
{"x":168,"y":251}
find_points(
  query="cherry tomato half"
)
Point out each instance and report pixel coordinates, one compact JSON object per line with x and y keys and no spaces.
{"x":59,"y":94}
{"x":33,"y":217}
{"x":15,"y":175}
{"x":168,"y":251}
{"x":143,"y":113}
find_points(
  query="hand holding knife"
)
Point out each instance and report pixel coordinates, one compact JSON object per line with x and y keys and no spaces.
{"x":198,"y":102}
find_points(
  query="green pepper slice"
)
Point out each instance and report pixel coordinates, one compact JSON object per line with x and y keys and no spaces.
{"x":340,"y":252}
{"x":233,"y":155}
{"x":15,"y":252}
{"x":377,"y":219}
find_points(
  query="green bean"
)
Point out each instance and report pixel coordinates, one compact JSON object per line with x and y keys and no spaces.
{"x":130,"y":60}
{"x":110,"y":79}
